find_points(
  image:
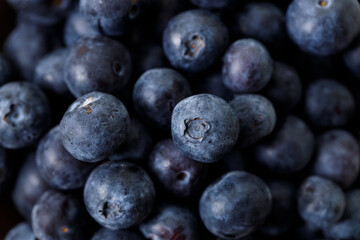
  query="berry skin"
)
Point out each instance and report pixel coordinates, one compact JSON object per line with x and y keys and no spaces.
{"x":288,"y":149}
{"x":24,"y":114}
{"x":97,"y":64}
{"x":323,"y":27}
{"x":119,"y":195}
{"x":156,"y":93}
{"x":204,"y":127}
{"x":257,"y":117}
{"x":320,"y":202}
{"x":348,"y":229}
{"x":43,"y":12}
{"x":6,"y":70}
{"x":194,"y":40}
{"x":262,"y":21}
{"x":137,"y":146}
{"x":49,"y":73}
{"x":337,"y":157}
{"x":284,"y":89}
{"x":77,"y":27}
{"x":235,"y":205}
{"x":58,"y":167}
{"x":29,"y":187}
{"x":22,"y":231}
{"x":218,"y":4}
{"x":59,"y":216}
{"x":352,"y":210}
{"x":247,"y":66}
{"x":94,"y":126}
{"x":171,"y":222}
{"x":329,"y":103}
{"x":178,"y":174}
{"x":106,"y":234}
{"x":27,"y":44}
{"x":113,"y":17}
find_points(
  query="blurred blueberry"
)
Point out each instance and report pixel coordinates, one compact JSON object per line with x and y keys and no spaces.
{"x":22,"y":231}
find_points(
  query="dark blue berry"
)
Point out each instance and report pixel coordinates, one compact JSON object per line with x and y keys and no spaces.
{"x":328,"y":103}
{"x":97,"y":64}
{"x":257,"y":117}
{"x":178,"y":174}
{"x":59,"y":216}
{"x":94,"y":126}
{"x":171,"y":222}
{"x":6,"y":70}
{"x":288,"y":149}
{"x":113,"y":17}
{"x":352,"y":209}
{"x":22,"y":231}
{"x":29,"y":187}
{"x":204,"y":127}
{"x":194,"y":40}
{"x":27,"y":44}
{"x":284,"y":88}
{"x":156,"y":93}
{"x":137,"y":146}
{"x":106,"y":234}
{"x":6,"y":168}
{"x":235,"y":205}
{"x":119,"y":195}
{"x":49,"y":73}
{"x":247,"y":66}
{"x":337,"y":157}
{"x":323,"y":27}
{"x":345,"y":230}
{"x":218,"y":4}
{"x":320,"y":201}
{"x":58,"y":167}
{"x":24,"y":114}
{"x":262,"y":21}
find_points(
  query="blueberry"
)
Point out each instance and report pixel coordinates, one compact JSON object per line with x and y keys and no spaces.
{"x":114,"y":17}
{"x":119,"y":195}
{"x":29,"y":187}
{"x":235,"y":160}
{"x":214,"y":85}
{"x":247,"y":66}
{"x":147,"y":57}
{"x":6,"y":71}
{"x":77,"y":27}
{"x":27,"y":44}
{"x":194,"y":40}
{"x":323,"y":27}
{"x":59,"y":216}
{"x":257,"y":117}
{"x":178,"y":174}
{"x":346,"y":230}
{"x":218,"y":4}
{"x":137,"y":146}
{"x":352,"y":60}
{"x":283,"y":208}
{"x":171,"y":222}
{"x":97,"y":64}
{"x":24,"y":114}
{"x":45,"y":12}
{"x":106,"y":234}
{"x":337,"y":157}
{"x":329,"y":103}
{"x":94,"y":126}
{"x":204,"y":127}
{"x":288,"y":149}
{"x":156,"y":93}
{"x":49,"y":72}
{"x":58,"y":167}
{"x":352,"y":209}
{"x":5,"y":170}
{"x":320,"y":201}
{"x":262,"y":21}
{"x":235,"y":205}
{"x":284,"y":89}
{"x":21,"y":231}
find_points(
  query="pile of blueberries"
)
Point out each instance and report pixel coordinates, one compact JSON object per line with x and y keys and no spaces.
{"x":181,"y":120}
